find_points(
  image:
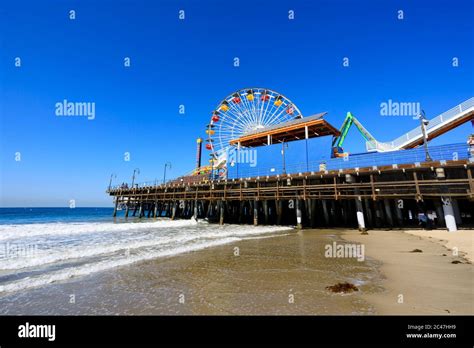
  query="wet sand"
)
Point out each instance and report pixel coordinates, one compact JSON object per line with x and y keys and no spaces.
{"x":284,"y":274}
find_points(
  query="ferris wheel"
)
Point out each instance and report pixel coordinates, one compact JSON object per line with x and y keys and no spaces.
{"x":243,"y":112}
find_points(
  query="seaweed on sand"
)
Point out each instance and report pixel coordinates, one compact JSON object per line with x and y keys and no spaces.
{"x":342,"y":287}
{"x":416,"y":251}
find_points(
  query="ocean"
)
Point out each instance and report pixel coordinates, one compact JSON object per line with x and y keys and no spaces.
{"x":39,"y":246}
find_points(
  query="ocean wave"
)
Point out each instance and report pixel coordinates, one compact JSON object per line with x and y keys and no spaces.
{"x":13,"y":231}
{"x":65,"y":252}
{"x":109,"y":245}
{"x":84,"y":270}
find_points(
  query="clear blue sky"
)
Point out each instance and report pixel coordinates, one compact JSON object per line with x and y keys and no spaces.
{"x":190,"y":62}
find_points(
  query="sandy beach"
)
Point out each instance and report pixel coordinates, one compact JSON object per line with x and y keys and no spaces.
{"x":461,"y":241}
{"x":429,"y":281}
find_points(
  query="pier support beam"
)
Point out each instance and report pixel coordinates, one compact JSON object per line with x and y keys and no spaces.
{"x":334,"y":212}
{"x":189,"y":209}
{"x":235,"y":211}
{"x":199,"y":209}
{"x":299,"y":215}
{"x":221,"y":212}
{"x":345,"y":211}
{"x":160,"y":210}
{"x":241,"y":211}
{"x":173,"y":213}
{"x":127,"y":208}
{"x":255,"y":213}
{"x":279,"y":208}
{"x":325,"y":212}
{"x":439,"y":212}
{"x":449,"y":215}
{"x":368,"y":213}
{"x":388,"y":212}
{"x":140,"y":211}
{"x":155,"y":209}
{"x":398,"y":212}
{"x":457,"y":212}
{"x":209,"y":208}
{"x":360,"y":214}
{"x":183,"y":207}
{"x":307,"y":209}
{"x":116,"y":205}
{"x":196,"y":210}
{"x":265,"y":211}
{"x":378,"y":214}
{"x":150,"y":207}
{"x":312,"y":212}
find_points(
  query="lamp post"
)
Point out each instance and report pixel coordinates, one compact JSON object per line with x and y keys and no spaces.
{"x":135,"y":172}
{"x":211,"y":161}
{"x":424,"y":122}
{"x":283,"y":146}
{"x":112,"y":176}
{"x":167,"y":164}
{"x":237,"y":157}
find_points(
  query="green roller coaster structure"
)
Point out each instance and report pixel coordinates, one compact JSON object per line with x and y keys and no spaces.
{"x":337,"y":150}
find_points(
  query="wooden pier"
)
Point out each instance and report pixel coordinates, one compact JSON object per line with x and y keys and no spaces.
{"x":385,"y":197}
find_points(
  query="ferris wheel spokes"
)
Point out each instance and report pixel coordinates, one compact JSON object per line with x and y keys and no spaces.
{"x":243,"y":112}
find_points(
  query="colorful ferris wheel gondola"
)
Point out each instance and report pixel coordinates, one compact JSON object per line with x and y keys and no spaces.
{"x":290,"y":110}
{"x":236,"y":98}
{"x":278,"y":101}
{"x":210,"y":129}
{"x":224,"y":106}
{"x":250,"y":95}
{"x":215,"y":116}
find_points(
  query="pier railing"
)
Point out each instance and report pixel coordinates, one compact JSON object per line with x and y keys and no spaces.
{"x":438,"y":153}
{"x":452,"y":152}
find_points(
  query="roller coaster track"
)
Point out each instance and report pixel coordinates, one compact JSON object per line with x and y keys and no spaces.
{"x":437,"y":126}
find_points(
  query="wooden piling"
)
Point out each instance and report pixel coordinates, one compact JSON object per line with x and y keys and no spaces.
{"x":174,"y":209}
{"x":265,"y":211}
{"x":221,"y":212}
{"x":116,"y":206}
{"x":255,"y":213}
{"x":388,"y":212}
{"x":279,"y":209}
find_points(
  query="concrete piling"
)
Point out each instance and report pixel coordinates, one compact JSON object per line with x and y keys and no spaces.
{"x":449,"y":214}
{"x":299,"y":215}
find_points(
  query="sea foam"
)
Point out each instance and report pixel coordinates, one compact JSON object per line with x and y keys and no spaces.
{"x":70,"y":250}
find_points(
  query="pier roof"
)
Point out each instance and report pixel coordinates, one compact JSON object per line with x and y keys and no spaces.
{"x":288,"y":131}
